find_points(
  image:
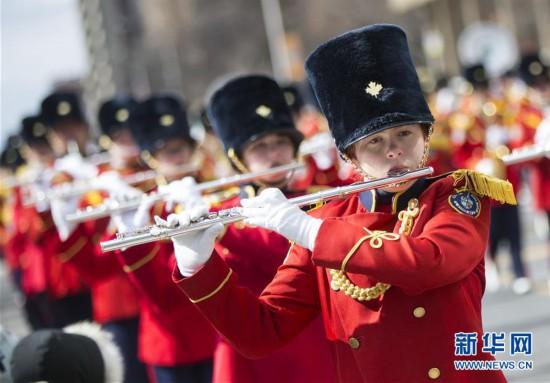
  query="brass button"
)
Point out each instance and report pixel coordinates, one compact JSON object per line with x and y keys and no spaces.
{"x":434,"y":373}
{"x":225,"y":251}
{"x":239,"y":225}
{"x":354,"y":343}
{"x":419,"y":312}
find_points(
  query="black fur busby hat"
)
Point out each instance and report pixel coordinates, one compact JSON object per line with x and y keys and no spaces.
{"x":533,"y":71}
{"x":365,"y":82}
{"x":34,"y":131}
{"x":61,"y":106}
{"x":476,"y":75}
{"x":114,"y":114}
{"x":248,"y":107}
{"x":157,"y":120}
{"x":79,"y":353}
{"x":11,"y":156}
{"x":55,"y":356}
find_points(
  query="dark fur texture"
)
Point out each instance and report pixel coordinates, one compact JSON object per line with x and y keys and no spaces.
{"x":341,"y":69}
{"x":146,"y":123}
{"x":108,"y":121}
{"x":232,"y":111}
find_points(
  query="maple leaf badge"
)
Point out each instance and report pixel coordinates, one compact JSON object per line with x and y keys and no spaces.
{"x":263,"y":111}
{"x":374,"y":89}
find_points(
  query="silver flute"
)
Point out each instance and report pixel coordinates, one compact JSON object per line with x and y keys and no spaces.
{"x":79,"y":187}
{"x":527,"y":153}
{"x":158,"y":232}
{"x":112,"y":206}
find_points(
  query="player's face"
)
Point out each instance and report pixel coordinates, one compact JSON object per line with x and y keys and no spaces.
{"x":123,"y":145}
{"x":173,"y":155}
{"x":267,"y":152}
{"x":390,"y":152}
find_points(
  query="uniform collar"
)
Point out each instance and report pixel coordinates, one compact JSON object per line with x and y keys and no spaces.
{"x":374,"y":200}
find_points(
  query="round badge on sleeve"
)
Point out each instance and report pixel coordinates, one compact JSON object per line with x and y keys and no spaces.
{"x":466,"y":203}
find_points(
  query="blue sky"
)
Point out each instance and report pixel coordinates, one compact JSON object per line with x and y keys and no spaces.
{"x":41,"y":43}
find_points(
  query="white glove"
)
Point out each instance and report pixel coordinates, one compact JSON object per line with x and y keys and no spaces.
{"x":59,"y":209}
{"x":37,"y":193}
{"x":183,"y":192}
{"x":272,"y":210}
{"x":76,"y":166}
{"x":110,"y":182}
{"x":192,"y":250}
{"x":135,"y":218}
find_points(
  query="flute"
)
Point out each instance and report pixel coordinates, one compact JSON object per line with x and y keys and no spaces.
{"x":528,"y":153}
{"x":157,"y":232}
{"x":113,"y":207}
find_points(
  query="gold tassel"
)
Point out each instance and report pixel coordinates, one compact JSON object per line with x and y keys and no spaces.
{"x":485,"y":185}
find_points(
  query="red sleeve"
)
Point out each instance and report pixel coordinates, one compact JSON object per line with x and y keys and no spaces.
{"x":149,"y":268}
{"x":82,"y":252}
{"x":444,"y":247}
{"x":255,"y":326}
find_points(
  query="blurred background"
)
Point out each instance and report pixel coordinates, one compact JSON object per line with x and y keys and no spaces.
{"x":110,"y":46}
{"x":484,"y":65}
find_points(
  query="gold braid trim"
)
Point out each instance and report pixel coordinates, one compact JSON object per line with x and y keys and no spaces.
{"x":215,"y":290}
{"x":64,"y":257}
{"x":137,"y":265}
{"x":339,"y":280}
{"x":484,"y":185}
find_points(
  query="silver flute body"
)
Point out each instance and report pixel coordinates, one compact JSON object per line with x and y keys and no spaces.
{"x":115,"y":207}
{"x":156,"y":233}
{"x":528,"y":153}
{"x":79,"y":187}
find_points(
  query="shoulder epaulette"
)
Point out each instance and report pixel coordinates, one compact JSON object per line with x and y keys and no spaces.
{"x":484,"y":185}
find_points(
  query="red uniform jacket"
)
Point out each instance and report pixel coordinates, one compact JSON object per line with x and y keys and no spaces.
{"x":114,"y":297}
{"x":255,"y":254}
{"x":406,"y":334}
{"x":22,"y":252}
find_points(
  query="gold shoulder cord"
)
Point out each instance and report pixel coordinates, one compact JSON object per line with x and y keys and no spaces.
{"x":339,"y":280}
{"x":484,"y":185}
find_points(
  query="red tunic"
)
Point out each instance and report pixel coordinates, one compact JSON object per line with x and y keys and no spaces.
{"x":404,"y":335}
{"x":113,"y":295}
{"x":172,"y":331}
{"x":255,"y":254}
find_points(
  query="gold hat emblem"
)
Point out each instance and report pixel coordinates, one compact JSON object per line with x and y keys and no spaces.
{"x":38,"y":129}
{"x":535,"y":68}
{"x":166,"y":120}
{"x":104,"y":141}
{"x":290,"y":98}
{"x":374,"y":89}
{"x":63,"y":108}
{"x":122,"y":115}
{"x":263,"y":111}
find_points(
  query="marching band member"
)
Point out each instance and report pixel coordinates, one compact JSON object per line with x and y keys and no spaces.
{"x":251,"y":118}
{"x":387,"y":270}
{"x":22,"y":253}
{"x":70,"y":296}
{"x":175,"y":340}
{"x":115,"y":300}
